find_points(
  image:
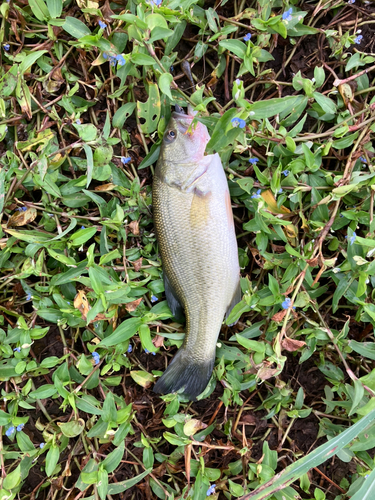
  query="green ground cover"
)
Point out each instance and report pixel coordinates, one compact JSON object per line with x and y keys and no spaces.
{"x":286,"y":90}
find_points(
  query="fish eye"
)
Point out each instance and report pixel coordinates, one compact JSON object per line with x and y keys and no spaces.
{"x":170,"y":136}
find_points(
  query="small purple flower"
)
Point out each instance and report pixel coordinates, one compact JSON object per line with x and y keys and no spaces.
{"x":147,"y":351}
{"x":280,"y":191}
{"x":10,"y":431}
{"x":105,"y":55}
{"x":20,"y":427}
{"x":130,"y":348}
{"x":102,"y":25}
{"x":6,"y":46}
{"x":351,"y":1}
{"x":78,"y":121}
{"x":358,"y":39}
{"x":238,"y":122}
{"x":21,"y":209}
{"x":82,"y":227}
{"x":211,"y":490}
{"x":352,"y":238}
{"x":120,"y":60}
{"x":253,"y":161}
{"x":363,"y":159}
{"x":247,"y":37}
{"x":17,"y":349}
{"x":285,"y":172}
{"x":125,"y":160}
{"x":96,"y":357}
{"x":257,"y":194}
{"x":29,"y":296}
{"x":238,"y":81}
{"x":42,"y":445}
{"x":155,"y":3}
{"x":154,"y":298}
{"x":287,"y":16}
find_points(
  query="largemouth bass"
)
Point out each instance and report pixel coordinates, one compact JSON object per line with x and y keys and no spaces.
{"x":195,"y":231}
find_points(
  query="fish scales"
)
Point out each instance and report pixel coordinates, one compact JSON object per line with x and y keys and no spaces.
{"x":195,"y":231}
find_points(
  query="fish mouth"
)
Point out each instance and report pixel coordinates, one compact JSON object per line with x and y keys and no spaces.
{"x":179,"y":112}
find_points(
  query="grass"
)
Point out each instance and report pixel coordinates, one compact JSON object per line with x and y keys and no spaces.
{"x":86,"y":91}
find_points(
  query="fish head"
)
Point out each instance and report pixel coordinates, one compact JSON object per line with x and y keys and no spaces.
{"x":184,"y":142}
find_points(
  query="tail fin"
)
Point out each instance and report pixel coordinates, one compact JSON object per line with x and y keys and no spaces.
{"x":186,"y":372}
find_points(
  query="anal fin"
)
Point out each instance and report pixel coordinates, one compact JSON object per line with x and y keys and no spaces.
{"x":235,"y":300}
{"x":173,"y":302}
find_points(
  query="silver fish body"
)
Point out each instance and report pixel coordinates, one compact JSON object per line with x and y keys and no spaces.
{"x":195,"y":230}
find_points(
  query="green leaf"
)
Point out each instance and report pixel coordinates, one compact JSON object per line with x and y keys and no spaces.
{"x":272,"y":107}
{"x":123,"y":332}
{"x":365,"y":349}
{"x":39,"y":9}
{"x":236,"y":46}
{"x":75,"y":27}
{"x":52,"y":458}
{"x":325,"y":103}
{"x":90,"y":163}
{"x":122,"y":114}
{"x":30,"y":60}
{"x":149,"y":111}
{"x":73,"y":428}
{"x":165,"y":84}
{"x":143,"y":59}
{"x":113,"y":459}
{"x":54,"y":8}
{"x":43,"y":392}
{"x":367,"y":490}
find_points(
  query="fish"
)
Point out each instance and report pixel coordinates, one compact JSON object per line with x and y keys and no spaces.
{"x":195,"y":231}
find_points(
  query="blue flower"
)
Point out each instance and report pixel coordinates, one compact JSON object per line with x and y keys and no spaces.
{"x":253,"y":160}
{"x":6,"y":46}
{"x":211,"y":490}
{"x":20,"y":427}
{"x":148,"y":352}
{"x":102,"y":25}
{"x":120,"y":60}
{"x":10,"y":431}
{"x":351,"y":1}
{"x":42,"y":445}
{"x":21,"y":209}
{"x":82,"y":227}
{"x":285,"y":172}
{"x":78,"y":121}
{"x":18,"y":349}
{"x":247,"y":37}
{"x":352,"y":238}
{"x":358,"y":39}
{"x":105,"y":55}
{"x":363,"y":159}
{"x":155,"y":3}
{"x":130,"y":348}
{"x":96,"y":357}
{"x":29,"y":296}
{"x":125,"y":160}
{"x":257,"y":194}
{"x":238,"y":122}
{"x":287,"y":16}
{"x":238,"y":81}
{"x":287,"y":303}
{"x":280,"y":191}
{"x":154,"y":298}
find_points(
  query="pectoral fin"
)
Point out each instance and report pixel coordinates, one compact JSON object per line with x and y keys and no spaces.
{"x":235,"y":300}
{"x":173,"y":302}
